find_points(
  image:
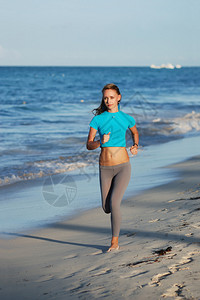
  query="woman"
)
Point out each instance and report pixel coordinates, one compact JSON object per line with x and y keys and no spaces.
{"x":114,"y":165}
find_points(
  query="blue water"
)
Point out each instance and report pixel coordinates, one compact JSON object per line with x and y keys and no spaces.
{"x":45,"y":112}
{"x":44,"y":118}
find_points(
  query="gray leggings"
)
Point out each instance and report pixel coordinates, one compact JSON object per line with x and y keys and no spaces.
{"x":113,"y":182}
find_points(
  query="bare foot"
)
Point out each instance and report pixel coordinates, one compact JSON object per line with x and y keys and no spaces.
{"x":113,"y":248}
{"x":114,"y":244}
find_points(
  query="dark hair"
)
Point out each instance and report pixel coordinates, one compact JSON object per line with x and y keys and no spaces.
{"x":110,"y":86}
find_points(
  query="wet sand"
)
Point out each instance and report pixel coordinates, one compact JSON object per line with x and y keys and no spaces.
{"x":68,"y":260}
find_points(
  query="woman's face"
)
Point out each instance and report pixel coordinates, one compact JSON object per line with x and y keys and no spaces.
{"x":111,"y":99}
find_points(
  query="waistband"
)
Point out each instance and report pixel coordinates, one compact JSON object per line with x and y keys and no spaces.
{"x":115,"y":166}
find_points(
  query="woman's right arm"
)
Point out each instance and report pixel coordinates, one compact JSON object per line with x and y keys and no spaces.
{"x":91,"y":143}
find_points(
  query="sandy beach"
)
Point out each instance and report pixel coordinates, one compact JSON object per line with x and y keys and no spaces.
{"x":158,"y":256}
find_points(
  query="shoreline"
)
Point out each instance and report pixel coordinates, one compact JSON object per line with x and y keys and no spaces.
{"x":68,"y":259}
{"x":28,"y":208}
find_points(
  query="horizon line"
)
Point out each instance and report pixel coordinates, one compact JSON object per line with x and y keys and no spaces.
{"x":93,"y":66}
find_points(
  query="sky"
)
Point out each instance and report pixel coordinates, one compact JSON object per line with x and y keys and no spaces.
{"x":99,"y":32}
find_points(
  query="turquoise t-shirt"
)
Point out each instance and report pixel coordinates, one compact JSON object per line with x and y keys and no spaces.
{"x":115,"y":123}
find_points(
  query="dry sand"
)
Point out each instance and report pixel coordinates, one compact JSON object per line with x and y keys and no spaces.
{"x":68,"y":260}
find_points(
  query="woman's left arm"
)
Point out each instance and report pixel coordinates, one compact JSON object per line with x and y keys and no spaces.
{"x":135,"y":135}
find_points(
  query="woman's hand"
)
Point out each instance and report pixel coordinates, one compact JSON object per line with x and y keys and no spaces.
{"x":105,"y":138}
{"x":134,"y":149}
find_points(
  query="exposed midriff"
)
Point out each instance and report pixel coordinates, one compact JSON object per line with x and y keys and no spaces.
{"x":111,"y":156}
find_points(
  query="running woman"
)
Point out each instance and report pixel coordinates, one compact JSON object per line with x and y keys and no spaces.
{"x":114,"y":165}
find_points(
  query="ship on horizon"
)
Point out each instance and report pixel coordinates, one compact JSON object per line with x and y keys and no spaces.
{"x":165,"y":66}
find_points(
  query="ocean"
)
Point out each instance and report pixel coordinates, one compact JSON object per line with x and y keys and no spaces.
{"x":45,"y":114}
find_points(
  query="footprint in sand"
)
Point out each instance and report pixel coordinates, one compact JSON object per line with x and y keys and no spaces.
{"x":48,"y":266}
{"x":70,"y":256}
{"x":98,"y":270}
{"x":155,"y":281}
{"x":189,"y":234}
{"x":162,"y":210}
{"x":184,"y":260}
{"x":83,"y":289}
{"x":66,"y":275}
{"x":131,"y":234}
{"x":102,"y":272}
{"x":173,"y":291}
{"x":134,"y":274}
{"x":153,"y":221}
{"x":96,"y":253}
{"x":197,"y":225}
{"x":45,"y":278}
